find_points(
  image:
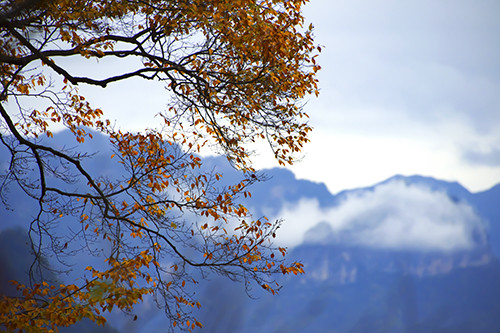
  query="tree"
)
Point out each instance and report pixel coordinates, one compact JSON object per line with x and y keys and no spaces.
{"x":235,"y":71}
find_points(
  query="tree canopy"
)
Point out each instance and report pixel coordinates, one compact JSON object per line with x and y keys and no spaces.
{"x":236,"y":71}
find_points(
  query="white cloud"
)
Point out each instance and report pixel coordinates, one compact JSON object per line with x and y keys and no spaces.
{"x":394,"y":216}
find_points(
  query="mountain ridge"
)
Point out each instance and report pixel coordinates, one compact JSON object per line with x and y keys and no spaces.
{"x":359,"y":276}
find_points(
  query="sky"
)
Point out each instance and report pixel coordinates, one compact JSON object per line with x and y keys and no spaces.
{"x":407,"y":87}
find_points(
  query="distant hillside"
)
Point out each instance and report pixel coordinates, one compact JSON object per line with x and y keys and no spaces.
{"x":409,"y":254}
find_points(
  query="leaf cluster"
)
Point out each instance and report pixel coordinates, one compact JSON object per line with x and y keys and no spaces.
{"x":236,"y":71}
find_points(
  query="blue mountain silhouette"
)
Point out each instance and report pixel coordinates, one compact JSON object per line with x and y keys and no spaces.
{"x":348,"y":286}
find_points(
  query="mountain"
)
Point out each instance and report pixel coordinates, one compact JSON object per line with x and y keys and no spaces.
{"x":409,"y":254}
{"x":365,"y":287}
{"x":353,"y":286}
{"x":487,"y":204}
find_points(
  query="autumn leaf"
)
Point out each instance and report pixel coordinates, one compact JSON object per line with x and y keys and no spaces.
{"x":235,"y":72}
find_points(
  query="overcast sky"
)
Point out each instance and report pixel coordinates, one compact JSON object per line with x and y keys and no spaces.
{"x":407,"y":87}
